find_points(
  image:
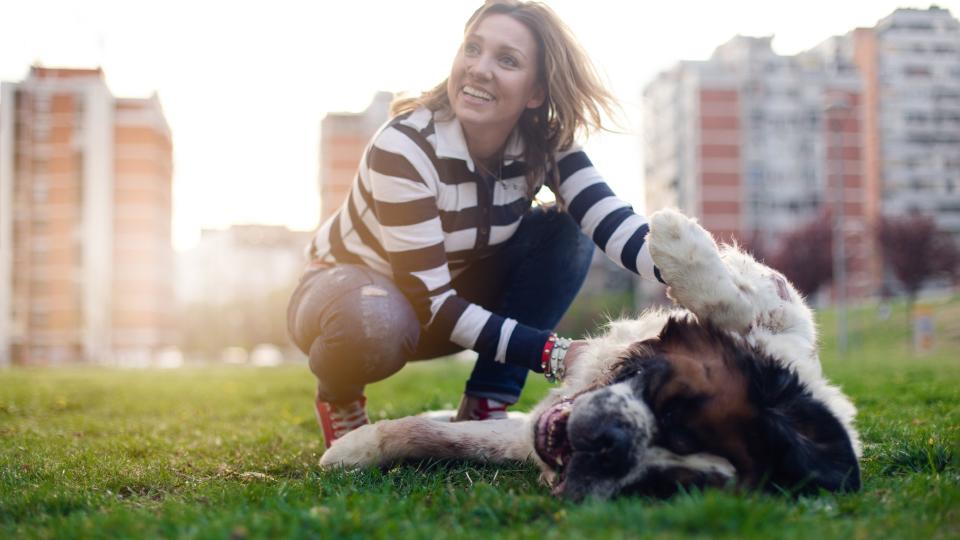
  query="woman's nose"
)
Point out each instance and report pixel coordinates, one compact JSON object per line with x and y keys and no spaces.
{"x":480,"y":70}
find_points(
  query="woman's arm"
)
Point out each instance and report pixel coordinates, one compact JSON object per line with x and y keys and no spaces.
{"x":608,"y":220}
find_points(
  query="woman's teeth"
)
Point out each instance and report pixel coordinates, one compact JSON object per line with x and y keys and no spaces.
{"x":477,"y":93}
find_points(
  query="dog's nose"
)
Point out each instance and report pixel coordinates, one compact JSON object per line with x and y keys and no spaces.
{"x":610,"y":435}
{"x":609,"y":425}
{"x":608,"y":439}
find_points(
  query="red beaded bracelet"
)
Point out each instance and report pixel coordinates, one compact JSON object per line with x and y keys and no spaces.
{"x":545,"y":356}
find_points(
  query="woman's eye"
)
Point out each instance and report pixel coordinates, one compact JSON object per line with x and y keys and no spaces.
{"x":471,"y":48}
{"x":509,"y":61}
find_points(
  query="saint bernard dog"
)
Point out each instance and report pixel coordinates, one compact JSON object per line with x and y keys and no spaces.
{"x":725,"y":389}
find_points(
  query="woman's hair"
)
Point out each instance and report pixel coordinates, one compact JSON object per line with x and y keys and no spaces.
{"x":575,"y":96}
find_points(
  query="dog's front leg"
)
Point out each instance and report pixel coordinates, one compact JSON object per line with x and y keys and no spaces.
{"x":689,"y":261}
{"x":730,"y":289}
{"x":416,"y":437}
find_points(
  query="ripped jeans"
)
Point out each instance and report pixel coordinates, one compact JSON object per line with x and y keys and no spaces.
{"x":357,"y":327}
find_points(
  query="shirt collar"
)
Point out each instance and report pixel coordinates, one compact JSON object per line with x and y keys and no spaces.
{"x":451,"y":142}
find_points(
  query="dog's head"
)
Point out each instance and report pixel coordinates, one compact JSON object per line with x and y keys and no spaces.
{"x":692,"y":406}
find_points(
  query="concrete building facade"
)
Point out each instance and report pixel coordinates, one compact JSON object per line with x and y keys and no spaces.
{"x":910,"y":66}
{"x":242,"y":261}
{"x":343,"y":139}
{"x":85,"y":252}
{"x":754,"y":144}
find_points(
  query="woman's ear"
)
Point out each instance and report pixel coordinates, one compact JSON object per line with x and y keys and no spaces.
{"x":539,"y":96}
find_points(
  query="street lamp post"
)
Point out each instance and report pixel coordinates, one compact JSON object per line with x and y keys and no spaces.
{"x":837,"y":109}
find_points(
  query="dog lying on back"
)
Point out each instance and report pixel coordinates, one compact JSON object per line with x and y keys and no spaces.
{"x":727,"y":389}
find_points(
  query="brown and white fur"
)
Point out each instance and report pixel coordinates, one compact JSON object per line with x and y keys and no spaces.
{"x":725,"y":389}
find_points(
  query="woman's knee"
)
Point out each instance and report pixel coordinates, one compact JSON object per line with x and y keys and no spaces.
{"x":367,"y":334}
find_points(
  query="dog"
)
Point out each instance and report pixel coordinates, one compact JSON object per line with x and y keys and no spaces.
{"x":725,"y":389}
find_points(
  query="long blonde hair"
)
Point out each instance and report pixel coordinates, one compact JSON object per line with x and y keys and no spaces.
{"x":575,"y":96}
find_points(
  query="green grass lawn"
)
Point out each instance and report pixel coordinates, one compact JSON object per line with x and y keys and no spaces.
{"x":231,"y":452}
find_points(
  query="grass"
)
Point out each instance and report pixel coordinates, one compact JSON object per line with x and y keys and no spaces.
{"x":228,"y":452}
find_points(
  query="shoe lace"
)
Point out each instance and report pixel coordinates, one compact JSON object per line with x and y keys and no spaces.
{"x":490,"y":409}
{"x":347,"y":417}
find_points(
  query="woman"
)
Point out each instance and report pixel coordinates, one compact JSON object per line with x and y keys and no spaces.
{"x":439,"y":246}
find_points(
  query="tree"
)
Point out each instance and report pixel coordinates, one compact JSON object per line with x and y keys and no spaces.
{"x":916,"y":251}
{"x":805,"y":254}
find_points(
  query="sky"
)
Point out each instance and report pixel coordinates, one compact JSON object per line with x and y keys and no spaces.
{"x":245,"y":84}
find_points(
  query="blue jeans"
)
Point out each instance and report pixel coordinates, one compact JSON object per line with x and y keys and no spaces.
{"x":357,"y":327}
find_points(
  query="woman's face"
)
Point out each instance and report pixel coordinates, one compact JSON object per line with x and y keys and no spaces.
{"x":494,"y":76}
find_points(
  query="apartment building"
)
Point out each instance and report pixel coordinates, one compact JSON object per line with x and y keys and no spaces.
{"x":343,"y":138}
{"x":85,"y":203}
{"x":910,"y":66}
{"x":241,"y":262}
{"x":755,"y":144}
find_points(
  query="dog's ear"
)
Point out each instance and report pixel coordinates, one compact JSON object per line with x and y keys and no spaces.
{"x":805,"y":447}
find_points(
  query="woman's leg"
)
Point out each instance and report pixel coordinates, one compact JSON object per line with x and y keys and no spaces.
{"x":537,"y":273}
{"x":355,"y":326}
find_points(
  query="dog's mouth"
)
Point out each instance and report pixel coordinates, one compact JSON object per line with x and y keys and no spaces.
{"x":551,"y":441}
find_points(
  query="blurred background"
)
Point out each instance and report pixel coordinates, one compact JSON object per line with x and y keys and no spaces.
{"x":162,"y":165}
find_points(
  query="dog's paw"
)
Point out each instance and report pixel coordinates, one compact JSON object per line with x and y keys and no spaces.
{"x":689,"y":262}
{"x":359,"y":448}
{"x":668,"y":223}
{"x":681,"y":249}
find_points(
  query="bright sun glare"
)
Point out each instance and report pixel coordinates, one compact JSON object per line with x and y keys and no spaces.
{"x":245,"y":85}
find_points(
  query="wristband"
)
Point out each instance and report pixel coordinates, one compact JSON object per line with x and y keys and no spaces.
{"x":552,"y":357}
{"x":545,"y":355}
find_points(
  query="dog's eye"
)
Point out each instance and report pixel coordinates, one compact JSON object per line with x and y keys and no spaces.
{"x":682,"y":406}
{"x":673,"y":411}
{"x":674,"y":422}
{"x":680,"y":441}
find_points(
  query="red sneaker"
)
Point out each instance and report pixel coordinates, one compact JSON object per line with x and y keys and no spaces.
{"x":478,"y":408}
{"x":338,"y":419}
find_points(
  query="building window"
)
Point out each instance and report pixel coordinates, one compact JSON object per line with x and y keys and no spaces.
{"x":40,"y":191}
{"x":915,"y":118}
{"x":41,"y":103}
{"x":38,"y":319}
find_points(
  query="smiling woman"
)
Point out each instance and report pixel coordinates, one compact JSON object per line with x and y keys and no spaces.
{"x":440,"y":247}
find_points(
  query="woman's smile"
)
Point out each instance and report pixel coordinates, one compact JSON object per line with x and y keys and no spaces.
{"x":473,"y":94}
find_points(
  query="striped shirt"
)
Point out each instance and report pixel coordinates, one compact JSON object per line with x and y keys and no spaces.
{"x":420,"y":212}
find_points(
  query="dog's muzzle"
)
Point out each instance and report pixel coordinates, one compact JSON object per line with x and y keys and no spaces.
{"x":596,"y":439}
